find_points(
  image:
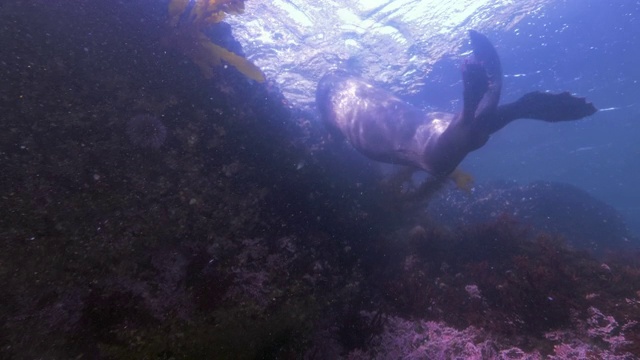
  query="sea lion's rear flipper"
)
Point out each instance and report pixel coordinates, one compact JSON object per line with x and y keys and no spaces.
{"x":543,"y":106}
{"x":475,"y":85}
{"x":486,"y":55}
{"x":554,"y":107}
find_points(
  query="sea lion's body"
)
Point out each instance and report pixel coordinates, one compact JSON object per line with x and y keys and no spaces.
{"x":387,"y":129}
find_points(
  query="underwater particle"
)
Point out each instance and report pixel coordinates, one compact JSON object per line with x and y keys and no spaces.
{"x":146,"y":131}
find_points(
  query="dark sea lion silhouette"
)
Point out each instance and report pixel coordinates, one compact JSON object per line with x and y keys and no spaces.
{"x":387,"y":129}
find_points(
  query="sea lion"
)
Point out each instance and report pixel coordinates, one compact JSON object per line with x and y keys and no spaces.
{"x":384,"y":128}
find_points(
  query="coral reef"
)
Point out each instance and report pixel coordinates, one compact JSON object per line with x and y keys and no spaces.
{"x":189,"y":20}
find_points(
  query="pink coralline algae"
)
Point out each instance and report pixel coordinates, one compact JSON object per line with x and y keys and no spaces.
{"x":419,"y":339}
{"x":473,"y":291}
{"x":600,"y":336}
{"x":406,"y":339}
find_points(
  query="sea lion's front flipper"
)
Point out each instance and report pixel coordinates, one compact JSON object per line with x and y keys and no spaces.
{"x":543,"y":106}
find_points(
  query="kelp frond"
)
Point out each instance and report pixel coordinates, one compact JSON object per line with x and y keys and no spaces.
{"x":189,"y":19}
{"x":463,"y":180}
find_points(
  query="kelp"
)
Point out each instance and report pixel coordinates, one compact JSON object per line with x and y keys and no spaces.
{"x":188,"y":21}
{"x":463,"y":180}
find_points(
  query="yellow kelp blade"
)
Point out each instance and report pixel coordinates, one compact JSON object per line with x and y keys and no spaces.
{"x":214,"y":18}
{"x":217,"y":53}
{"x":203,"y":9}
{"x":176,"y":8}
{"x":212,"y":11}
{"x":463,"y":180}
{"x":234,"y":6}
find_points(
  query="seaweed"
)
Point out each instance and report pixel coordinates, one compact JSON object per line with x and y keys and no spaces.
{"x":520,"y":285}
{"x":188,"y":22}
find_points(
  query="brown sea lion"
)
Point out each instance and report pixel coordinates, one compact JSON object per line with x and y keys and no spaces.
{"x":385,"y":128}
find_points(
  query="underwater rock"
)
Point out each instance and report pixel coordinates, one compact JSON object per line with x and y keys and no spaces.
{"x":584,"y":221}
{"x":419,"y":339}
{"x":146,"y":131}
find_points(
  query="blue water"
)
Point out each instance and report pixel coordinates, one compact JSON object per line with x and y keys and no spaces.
{"x":592,"y":49}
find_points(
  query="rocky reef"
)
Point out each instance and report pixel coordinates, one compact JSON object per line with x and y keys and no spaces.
{"x":585,"y":222}
{"x":227,"y":225}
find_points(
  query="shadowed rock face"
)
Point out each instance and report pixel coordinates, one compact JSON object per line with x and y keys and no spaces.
{"x":586,"y":222}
